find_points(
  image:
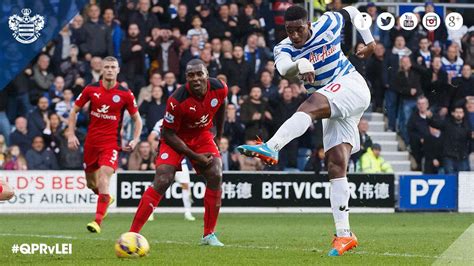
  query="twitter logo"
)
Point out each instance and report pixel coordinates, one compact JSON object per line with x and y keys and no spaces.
{"x":385,"y":21}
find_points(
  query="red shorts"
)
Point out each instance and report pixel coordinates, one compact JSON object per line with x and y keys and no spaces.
{"x":95,"y":157}
{"x":203,"y":143}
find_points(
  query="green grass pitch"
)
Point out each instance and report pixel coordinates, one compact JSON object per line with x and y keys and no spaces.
{"x":251,"y":239}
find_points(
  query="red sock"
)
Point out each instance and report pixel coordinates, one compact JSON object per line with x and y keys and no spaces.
{"x":150,"y":200}
{"x":95,"y":190}
{"x":102,"y":205}
{"x":212,"y":204}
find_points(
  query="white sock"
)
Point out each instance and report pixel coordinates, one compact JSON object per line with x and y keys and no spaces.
{"x":340,"y":205}
{"x":294,"y":127}
{"x":186,"y":200}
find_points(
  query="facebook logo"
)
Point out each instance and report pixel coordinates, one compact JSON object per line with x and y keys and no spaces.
{"x":428,"y":192}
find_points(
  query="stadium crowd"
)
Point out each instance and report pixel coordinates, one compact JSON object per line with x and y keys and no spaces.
{"x":421,"y":80}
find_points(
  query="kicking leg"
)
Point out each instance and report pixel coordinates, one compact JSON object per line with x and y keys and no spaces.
{"x":315,"y":107}
{"x":164,"y":177}
{"x":338,"y":158}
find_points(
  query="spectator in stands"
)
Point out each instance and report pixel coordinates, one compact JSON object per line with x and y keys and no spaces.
{"x":452,"y":63}
{"x":391,"y":67}
{"x":133,"y":50}
{"x":52,"y":134}
{"x":317,"y":162}
{"x":198,"y":30}
{"x":144,"y":19}
{"x":365,"y":140}
{"x":153,"y":110}
{"x":433,"y":155}
{"x":182,"y":21}
{"x":408,"y":85}
{"x":269,"y":91}
{"x":358,"y":61}
{"x":224,"y":26}
{"x":284,"y":108}
{"x":211,"y":65}
{"x":72,"y":68}
{"x":96,"y":67}
{"x":142,"y":158}
{"x":255,"y":115}
{"x":436,"y":49}
{"x":247,"y":23}
{"x":457,"y":136}
{"x":56,"y":92}
{"x":194,"y":51}
{"x":21,"y":136}
{"x":14,"y":160}
{"x":255,"y":56}
{"x":170,"y":84}
{"x":464,"y":85}
{"x":166,"y":50}
{"x":375,"y":77}
{"x":372,"y":162}
{"x":63,"y":108}
{"x":435,"y":85}
{"x":42,"y":77}
{"x":468,"y":48}
{"x":114,"y":27}
{"x":97,"y":36}
{"x":250,"y":163}
{"x":39,"y":158}
{"x":18,"y":95}
{"x":145,"y":92}
{"x":235,"y":96}
{"x":62,"y":47}
{"x":422,"y":56}
{"x":237,"y":71}
{"x":230,"y":160}
{"x":418,"y":130}
{"x":36,"y":118}
{"x":234,"y":130}
{"x":5,"y":127}
{"x":77,"y":30}
{"x":3,"y":151}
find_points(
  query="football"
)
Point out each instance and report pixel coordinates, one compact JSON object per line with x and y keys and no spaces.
{"x":131,"y":245}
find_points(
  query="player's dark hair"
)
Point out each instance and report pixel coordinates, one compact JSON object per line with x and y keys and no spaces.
{"x":195,"y":62}
{"x":296,"y":13}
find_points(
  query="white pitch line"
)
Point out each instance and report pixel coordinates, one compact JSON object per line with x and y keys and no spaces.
{"x":461,"y":248}
{"x":384,"y":254}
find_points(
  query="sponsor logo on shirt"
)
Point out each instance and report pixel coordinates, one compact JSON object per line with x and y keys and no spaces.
{"x":169,"y":118}
{"x":102,"y":113}
{"x":315,"y":58}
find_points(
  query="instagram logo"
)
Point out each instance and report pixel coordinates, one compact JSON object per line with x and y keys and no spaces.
{"x":431,"y":21}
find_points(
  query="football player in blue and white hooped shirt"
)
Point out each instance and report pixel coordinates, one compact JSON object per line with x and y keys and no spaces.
{"x":312,"y":52}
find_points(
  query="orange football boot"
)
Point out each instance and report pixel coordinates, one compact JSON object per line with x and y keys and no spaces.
{"x":342,"y":244}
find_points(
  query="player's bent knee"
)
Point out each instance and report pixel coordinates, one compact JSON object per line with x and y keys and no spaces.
{"x":9,"y":195}
{"x":336,"y":169}
{"x":317,"y":106}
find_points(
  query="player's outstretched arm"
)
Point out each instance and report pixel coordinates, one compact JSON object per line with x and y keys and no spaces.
{"x":289,"y":68}
{"x":219,"y":122}
{"x":72,"y":141}
{"x":349,"y":13}
{"x":178,"y":145}
{"x":138,"y":125}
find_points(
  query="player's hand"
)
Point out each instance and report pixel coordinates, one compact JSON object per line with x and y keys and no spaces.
{"x":204,"y":159}
{"x":366,"y":51}
{"x":131,"y":145}
{"x":306,"y":70}
{"x":73,"y":142}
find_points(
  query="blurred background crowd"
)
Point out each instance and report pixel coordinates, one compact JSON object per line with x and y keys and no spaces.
{"x":420,"y":80}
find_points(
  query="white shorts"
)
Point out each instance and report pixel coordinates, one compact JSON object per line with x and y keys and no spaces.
{"x":182,"y":176}
{"x":349,"y":97}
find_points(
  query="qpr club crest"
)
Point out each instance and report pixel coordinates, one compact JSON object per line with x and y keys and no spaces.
{"x":26,"y":29}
